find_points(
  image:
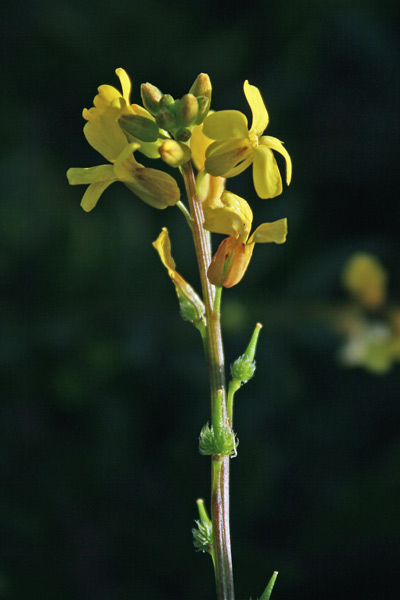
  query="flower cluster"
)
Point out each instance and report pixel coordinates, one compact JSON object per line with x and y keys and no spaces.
{"x":220,"y":144}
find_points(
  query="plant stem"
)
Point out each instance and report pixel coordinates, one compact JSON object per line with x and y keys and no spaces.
{"x":216,"y":368}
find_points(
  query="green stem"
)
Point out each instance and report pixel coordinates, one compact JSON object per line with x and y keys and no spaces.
{"x":216,"y":369}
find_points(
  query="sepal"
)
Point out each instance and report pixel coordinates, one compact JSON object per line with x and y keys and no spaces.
{"x":141,"y":128}
{"x":219,"y":439}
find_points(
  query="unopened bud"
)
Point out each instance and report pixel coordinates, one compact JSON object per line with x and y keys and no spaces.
{"x":151,"y":97}
{"x":166,"y":120}
{"x":201,"y":86}
{"x":204,"y":107}
{"x":174,"y":153}
{"x":139,"y":127}
{"x":183,"y":135}
{"x":167,"y":101}
{"x":244,"y":367}
{"x":187,"y":109}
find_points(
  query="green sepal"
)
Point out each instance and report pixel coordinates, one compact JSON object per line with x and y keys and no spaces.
{"x":139,"y":127}
{"x":219,"y":439}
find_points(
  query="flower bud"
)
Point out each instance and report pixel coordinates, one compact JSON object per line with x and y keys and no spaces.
{"x":166,"y":120}
{"x":204,"y":107}
{"x":244,"y":367}
{"x":201,"y":86}
{"x":183,"y":135}
{"x":174,"y":153}
{"x":187,"y":109}
{"x":151,"y":97}
{"x":139,"y":127}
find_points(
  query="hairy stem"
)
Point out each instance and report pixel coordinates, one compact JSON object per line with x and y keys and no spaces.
{"x":215,"y":359}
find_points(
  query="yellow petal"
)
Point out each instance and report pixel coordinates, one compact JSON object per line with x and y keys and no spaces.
{"x":107,"y":93}
{"x":198,"y":145}
{"x":266,"y":177}
{"x":234,"y":218}
{"x":211,"y":189}
{"x":78,"y":176}
{"x":223,"y":158}
{"x":278,"y":146}
{"x":163,"y":247}
{"x":270,"y":232}
{"x":256,"y":103}
{"x":125,"y":84}
{"x":93,"y":193}
{"x":105,"y":136}
{"x":225,"y":125}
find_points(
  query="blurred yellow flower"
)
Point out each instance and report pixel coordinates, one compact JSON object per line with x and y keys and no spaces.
{"x":237,"y":147}
{"x":233,"y":217}
{"x":365,"y":278}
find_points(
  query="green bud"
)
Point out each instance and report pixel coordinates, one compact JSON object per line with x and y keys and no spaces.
{"x":204,"y":107}
{"x":244,"y":367}
{"x":166,"y":120}
{"x":151,"y":97}
{"x":174,"y":153}
{"x":183,"y":135}
{"x":203,"y":536}
{"x":201,"y":86}
{"x":139,"y":127}
{"x":167,"y":102}
{"x":187,"y":109}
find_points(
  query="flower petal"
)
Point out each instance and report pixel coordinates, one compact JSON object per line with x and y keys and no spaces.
{"x":277,"y":145}
{"x":266,"y":176}
{"x":270,"y":232}
{"x":225,"y":125}
{"x":256,"y":103}
{"x":163,"y":247}
{"x":105,"y":136}
{"x":77,"y":176}
{"x":223,"y":157}
{"x":125,"y":84}
{"x":93,"y":193}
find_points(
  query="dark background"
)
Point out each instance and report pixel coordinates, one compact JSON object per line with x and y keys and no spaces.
{"x":104,"y":388}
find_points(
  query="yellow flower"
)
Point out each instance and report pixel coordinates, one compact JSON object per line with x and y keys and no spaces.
{"x":191,"y":305}
{"x":119,"y":103}
{"x":156,"y":188}
{"x":237,"y":146}
{"x":365,"y":278}
{"x":233,"y":217}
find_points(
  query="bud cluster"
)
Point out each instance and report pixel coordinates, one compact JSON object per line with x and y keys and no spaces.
{"x":179,"y":116}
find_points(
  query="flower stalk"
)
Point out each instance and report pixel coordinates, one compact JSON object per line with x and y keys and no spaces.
{"x":222,"y":555}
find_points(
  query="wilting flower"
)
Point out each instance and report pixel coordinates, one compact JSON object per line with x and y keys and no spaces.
{"x":156,"y":188}
{"x":233,"y":217}
{"x":191,"y":305}
{"x":237,"y":147}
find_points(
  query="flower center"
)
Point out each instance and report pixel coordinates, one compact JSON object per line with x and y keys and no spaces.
{"x":253,"y":137}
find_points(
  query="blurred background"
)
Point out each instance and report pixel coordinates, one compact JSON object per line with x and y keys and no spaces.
{"x":104,"y":387}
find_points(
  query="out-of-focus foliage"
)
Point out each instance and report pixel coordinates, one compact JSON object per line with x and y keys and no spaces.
{"x":104,"y":388}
